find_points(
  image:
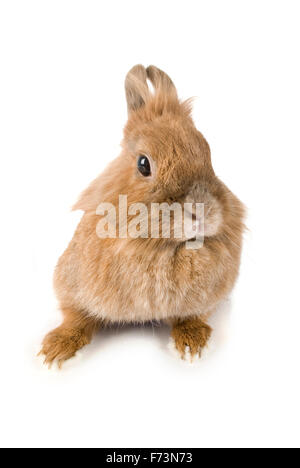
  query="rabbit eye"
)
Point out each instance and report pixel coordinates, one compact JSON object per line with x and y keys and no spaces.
{"x":144,"y":166}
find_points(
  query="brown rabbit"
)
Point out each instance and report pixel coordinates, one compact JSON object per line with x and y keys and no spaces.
{"x":99,"y":280}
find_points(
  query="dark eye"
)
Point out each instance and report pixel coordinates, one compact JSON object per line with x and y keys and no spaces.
{"x":144,"y":166}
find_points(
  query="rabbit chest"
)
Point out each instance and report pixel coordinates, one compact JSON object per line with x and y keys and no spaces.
{"x":128,"y":287}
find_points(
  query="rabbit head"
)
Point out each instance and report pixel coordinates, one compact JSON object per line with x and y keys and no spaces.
{"x":165,"y":159}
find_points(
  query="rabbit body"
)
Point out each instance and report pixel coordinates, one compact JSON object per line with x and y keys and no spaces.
{"x":120,"y":281}
{"x":100,"y":280}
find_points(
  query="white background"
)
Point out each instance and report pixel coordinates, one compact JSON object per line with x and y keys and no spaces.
{"x":62,"y":110}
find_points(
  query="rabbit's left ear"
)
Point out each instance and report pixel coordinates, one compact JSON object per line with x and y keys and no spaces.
{"x":137,"y":91}
{"x":162,"y":83}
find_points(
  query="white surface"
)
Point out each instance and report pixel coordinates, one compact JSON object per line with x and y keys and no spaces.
{"x":62,"y":109}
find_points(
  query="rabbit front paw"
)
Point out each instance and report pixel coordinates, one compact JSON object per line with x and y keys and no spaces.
{"x":189,"y":337}
{"x":62,"y":344}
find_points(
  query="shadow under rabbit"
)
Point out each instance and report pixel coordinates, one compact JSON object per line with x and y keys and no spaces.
{"x":160,"y":332}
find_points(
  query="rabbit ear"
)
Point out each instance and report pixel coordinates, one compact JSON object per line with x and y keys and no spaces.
{"x":161,"y":81}
{"x":137,"y":91}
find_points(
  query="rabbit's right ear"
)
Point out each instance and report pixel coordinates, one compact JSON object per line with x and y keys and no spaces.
{"x":137,"y":91}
